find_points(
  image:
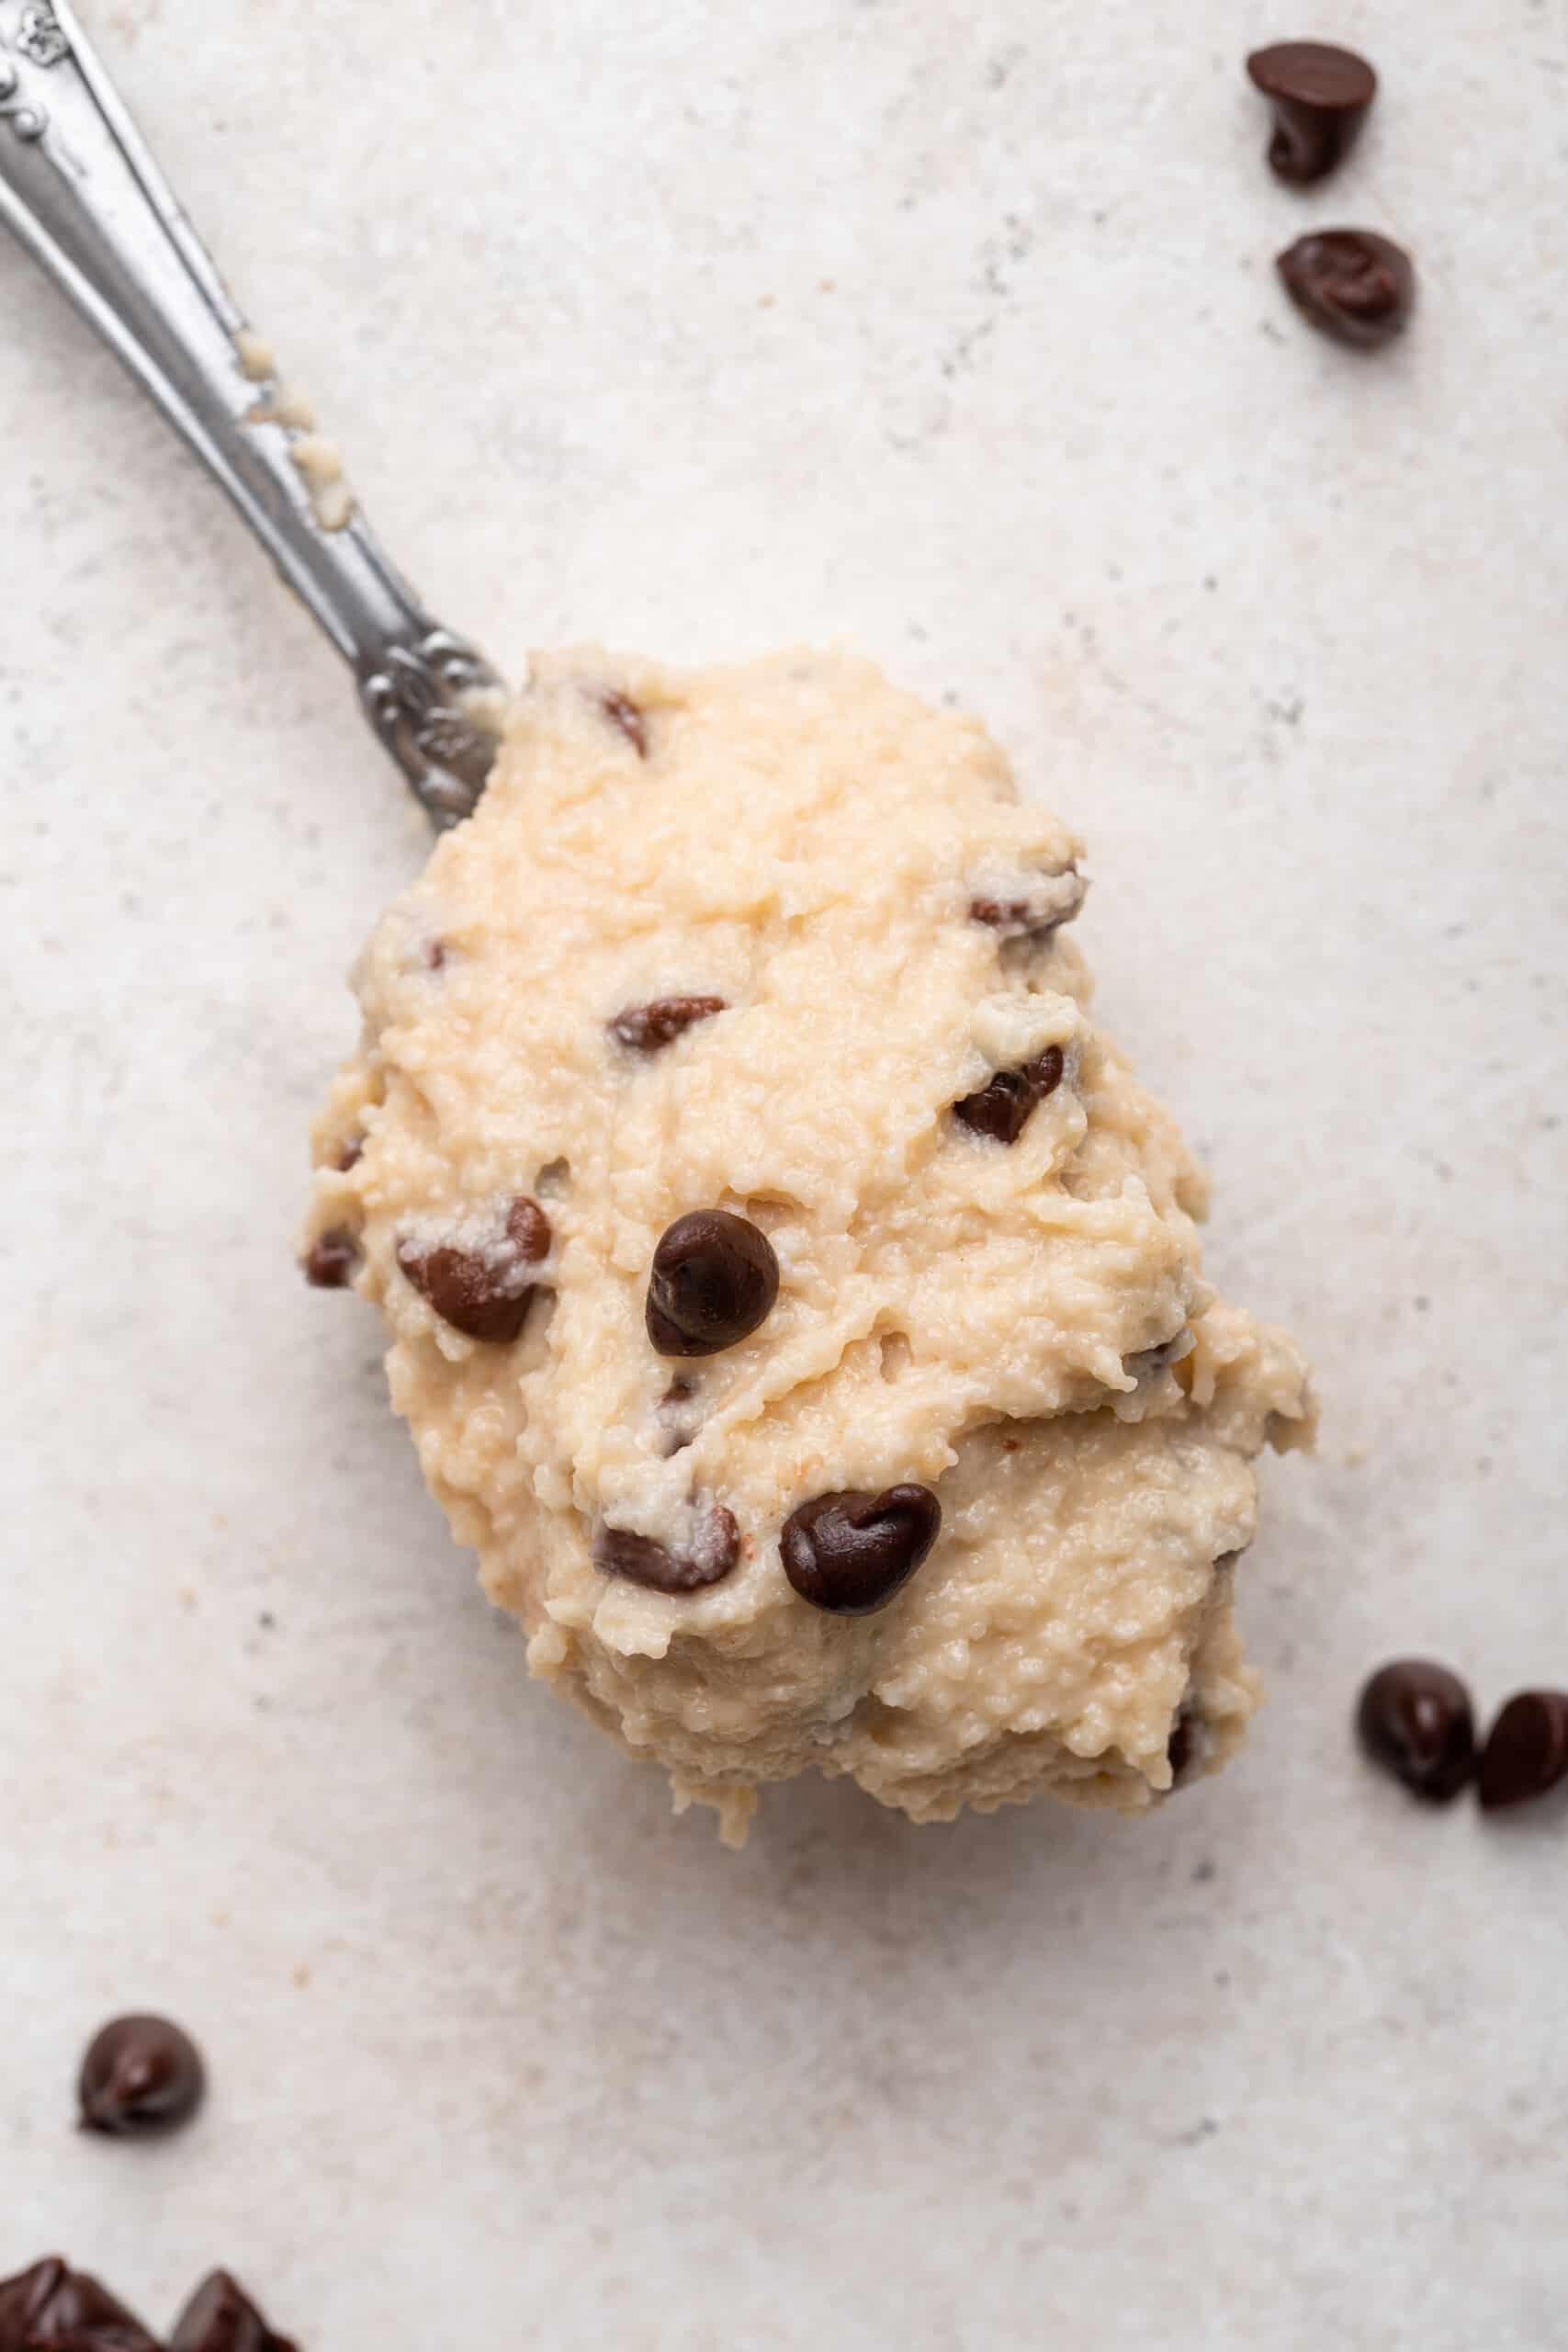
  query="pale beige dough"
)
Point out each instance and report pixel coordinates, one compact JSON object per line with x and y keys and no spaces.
{"x":801,"y":840}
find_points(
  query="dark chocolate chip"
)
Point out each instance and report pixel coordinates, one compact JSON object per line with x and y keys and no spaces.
{"x":1321,"y":96}
{"x":650,"y":1027}
{"x":221,"y":2317}
{"x":436,"y":955}
{"x":851,"y":1551}
{"x":710,"y":1555}
{"x":1415,"y":1719}
{"x":141,"y":2074}
{"x":1350,"y":284}
{"x":350,"y":1156}
{"x":1003,"y":1105}
{"x":484,"y":1293}
{"x":714,"y":1279}
{"x":52,"y":2305}
{"x":331,"y":1259}
{"x":1526,"y":1749}
{"x":1041,"y":905}
{"x":628,"y":716}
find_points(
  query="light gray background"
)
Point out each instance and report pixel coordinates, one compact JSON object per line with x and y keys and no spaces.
{"x":951,"y":329}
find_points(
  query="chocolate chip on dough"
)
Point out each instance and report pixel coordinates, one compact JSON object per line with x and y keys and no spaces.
{"x":484,"y":1293}
{"x":849,"y":1552}
{"x":1002,"y":1107}
{"x":714,"y":1279}
{"x":661,"y":1569}
{"x":649,"y":1028}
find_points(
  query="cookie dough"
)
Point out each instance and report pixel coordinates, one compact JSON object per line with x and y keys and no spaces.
{"x":795,"y":1299}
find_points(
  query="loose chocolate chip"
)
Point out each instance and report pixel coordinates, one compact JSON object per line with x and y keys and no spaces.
{"x":714,"y":1279}
{"x":711,"y":1555}
{"x":1003,"y":1105}
{"x":650,"y":1027}
{"x":141,"y":2074}
{"x":1526,"y":1749}
{"x":622,"y":712}
{"x":851,"y":1551}
{"x":54,"y":2306}
{"x":221,"y":2317}
{"x":1415,"y":1719}
{"x":1040,"y":905}
{"x":1321,"y":95}
{"x":1350,"y":284}
{"x":331,"y":1259}
{"x":483,"y":1293}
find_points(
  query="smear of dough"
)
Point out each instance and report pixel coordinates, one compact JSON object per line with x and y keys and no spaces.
{"x":1024,"y":1328}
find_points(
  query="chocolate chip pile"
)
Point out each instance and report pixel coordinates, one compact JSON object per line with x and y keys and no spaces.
{"x":1415,"y":1719}
{"x":51,"y":2308}
{"x":142,"y":2076}
{"x":1353,"y":285}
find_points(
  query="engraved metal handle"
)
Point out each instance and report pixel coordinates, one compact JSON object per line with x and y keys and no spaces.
{"x":80,"y":190}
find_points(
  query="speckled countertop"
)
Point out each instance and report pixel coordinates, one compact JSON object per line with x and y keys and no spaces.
{"x":950,"y":330}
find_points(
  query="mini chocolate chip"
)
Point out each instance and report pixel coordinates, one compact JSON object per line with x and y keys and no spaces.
{"x":1526,"y":1749}
{"x":1040,"y":905}
{"x":714,"y":1279}
{"x":481,"y":1293}
{"x":1321,"y":96}
{"x":628,"y":716}
{"x":141,"y":2074}
{"x":712,"y":1554}
{"x":54,"y":2306}
{"x":851,"y":1551}
{"x":350,"y":1156}
{"x":649,"y":1027}
{"x":1415,"y":1719}
{"x":221,"y":2317}
{"x":1350,"y":284}
{"x":1003,"y":1105}
{"x":331,"y":1259}
{"x":436,"y":955}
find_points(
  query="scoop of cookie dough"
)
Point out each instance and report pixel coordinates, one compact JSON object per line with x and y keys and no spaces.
{"x":795,"y":1299}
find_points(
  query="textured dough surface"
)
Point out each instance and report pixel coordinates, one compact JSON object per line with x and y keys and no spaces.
{"x":802,"y":841}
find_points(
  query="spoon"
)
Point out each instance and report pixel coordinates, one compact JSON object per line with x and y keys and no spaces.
{"x":79,"y":188}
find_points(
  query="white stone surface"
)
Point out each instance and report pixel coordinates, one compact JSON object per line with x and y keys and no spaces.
{"x":950,"y":330}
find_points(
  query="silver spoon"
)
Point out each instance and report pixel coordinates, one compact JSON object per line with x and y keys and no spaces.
{"x":80,"y":190}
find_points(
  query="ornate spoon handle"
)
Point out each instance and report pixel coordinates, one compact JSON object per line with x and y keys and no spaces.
{"x":80,"y":190}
